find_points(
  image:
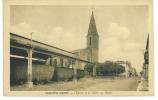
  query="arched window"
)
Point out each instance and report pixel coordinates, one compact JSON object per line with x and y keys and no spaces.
{"x":90,"y":39}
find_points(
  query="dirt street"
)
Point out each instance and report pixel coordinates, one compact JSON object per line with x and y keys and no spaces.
{"x":86,"y":84}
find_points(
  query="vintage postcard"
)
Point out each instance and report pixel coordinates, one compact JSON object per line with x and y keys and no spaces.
{"x":78,"y":48}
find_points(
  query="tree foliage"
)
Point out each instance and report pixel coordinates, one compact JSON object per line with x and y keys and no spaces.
{"x":106,"y":68}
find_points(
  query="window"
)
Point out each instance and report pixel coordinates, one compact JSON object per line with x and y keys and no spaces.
{"x":90,"y":41}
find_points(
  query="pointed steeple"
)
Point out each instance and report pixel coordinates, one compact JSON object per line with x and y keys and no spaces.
{"x":92,"y":26}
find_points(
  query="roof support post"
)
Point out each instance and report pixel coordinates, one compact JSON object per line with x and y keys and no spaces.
{"x":29,"y":69}
{"x":74,"y":64}
{"x":94,"y":70}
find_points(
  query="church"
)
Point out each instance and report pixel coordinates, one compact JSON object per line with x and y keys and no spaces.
{"x":91,"y":52}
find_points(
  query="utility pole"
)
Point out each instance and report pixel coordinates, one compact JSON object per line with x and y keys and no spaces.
{"x":146,"y":60}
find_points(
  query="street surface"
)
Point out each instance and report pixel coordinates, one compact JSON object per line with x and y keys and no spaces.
{"x":86,"y":84}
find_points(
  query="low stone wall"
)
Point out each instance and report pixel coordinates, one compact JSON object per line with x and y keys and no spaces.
{"x":63,"y":74}
{"x":40,"y":72}
{"x":66,"y":74}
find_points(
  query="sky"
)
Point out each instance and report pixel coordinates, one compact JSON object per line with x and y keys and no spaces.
{"x":122,"y":29}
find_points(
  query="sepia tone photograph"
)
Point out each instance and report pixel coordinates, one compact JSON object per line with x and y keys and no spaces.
{"x":79,"y":49}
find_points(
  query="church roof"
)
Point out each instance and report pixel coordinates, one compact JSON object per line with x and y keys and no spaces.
{"x":92,"y":26}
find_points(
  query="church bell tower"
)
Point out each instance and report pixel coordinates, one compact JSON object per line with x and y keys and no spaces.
{"x":92,"y":41}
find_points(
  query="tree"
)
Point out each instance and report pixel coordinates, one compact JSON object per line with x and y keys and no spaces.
{"x":107,"y":68}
